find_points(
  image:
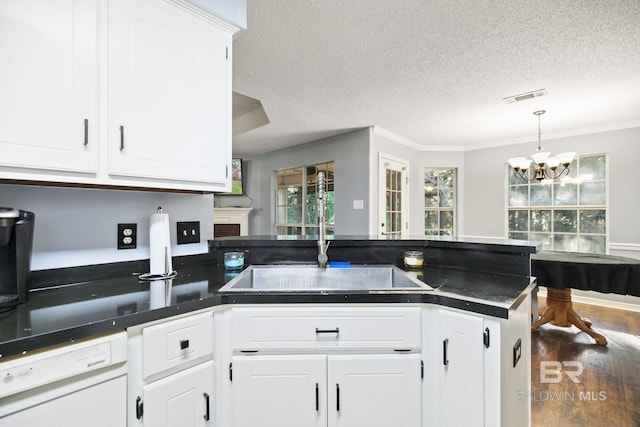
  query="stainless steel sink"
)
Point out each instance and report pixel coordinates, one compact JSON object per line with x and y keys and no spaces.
{"x":310,"y":278}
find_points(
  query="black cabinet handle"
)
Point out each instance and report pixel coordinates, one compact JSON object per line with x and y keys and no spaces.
{"x":121,"y":138}
{"x":328,"y":331}
{"x":317,"y":398}
{"x":184,"y":344}
{"x":445,"y":347}
{"x":338,"y":397}
{"x":139,"y":407}
{"x":207,"y":414}
{"x":86,"y":132}
{"x":487,"y":337}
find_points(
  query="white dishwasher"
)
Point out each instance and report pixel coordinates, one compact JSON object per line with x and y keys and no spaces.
{"x":75,"y":385}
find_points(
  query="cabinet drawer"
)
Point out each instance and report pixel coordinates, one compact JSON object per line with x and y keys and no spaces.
{"x":173,"y":343}
{"x":325,"y":328}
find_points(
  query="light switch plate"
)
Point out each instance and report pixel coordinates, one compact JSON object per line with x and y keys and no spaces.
{"x":188,"y":232}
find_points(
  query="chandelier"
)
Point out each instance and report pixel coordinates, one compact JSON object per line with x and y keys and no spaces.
{"x":544,"y":165}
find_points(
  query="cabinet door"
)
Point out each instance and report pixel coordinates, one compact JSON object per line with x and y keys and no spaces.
{"x":184,"y":399}
{"x":374,"y":390}
{"x":169,"y":94}
{"x":279,"y":391}
{"x":48,"y":84}
{"x":461,"y":370}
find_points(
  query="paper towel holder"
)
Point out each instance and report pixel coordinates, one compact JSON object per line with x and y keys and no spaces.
{"x":168,"y":273}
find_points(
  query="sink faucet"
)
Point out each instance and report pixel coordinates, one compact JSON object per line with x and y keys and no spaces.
{"x":323,"y":245}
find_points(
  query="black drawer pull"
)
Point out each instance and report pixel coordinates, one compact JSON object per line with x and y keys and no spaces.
{"x":445,"y":347}
{"x":317,"y":398}
{"x":139,"y":407}
{"x":207,"y":414}
{"x":328,"y":331}
{"x":86,"y":132}
{"x":121,"y":138}
{"x":184,"y":344}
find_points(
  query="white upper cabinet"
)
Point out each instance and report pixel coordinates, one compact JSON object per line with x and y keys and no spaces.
{"x":133,"y":93}
{"x":48,"y":86}
{"x":168,"y":94}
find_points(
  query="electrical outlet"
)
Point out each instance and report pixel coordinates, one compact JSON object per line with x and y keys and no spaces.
{"x":188,"y":232}
{"x":127,"y":236}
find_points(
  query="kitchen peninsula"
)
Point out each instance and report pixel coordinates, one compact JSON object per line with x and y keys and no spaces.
{"x":466,"y":341}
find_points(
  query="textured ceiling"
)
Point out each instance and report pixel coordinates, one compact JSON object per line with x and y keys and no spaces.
{"x":436,"y":72}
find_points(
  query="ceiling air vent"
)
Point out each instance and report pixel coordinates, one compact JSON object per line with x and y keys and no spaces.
{"x":524,"y":96}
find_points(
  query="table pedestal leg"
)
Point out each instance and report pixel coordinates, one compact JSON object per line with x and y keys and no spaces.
{"x":560,"y":312}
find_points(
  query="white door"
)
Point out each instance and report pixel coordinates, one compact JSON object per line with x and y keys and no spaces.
{"x":48,"y":90}
{"x":279,"y":391}
{"x":393,"y":196}
{"x":374,"y":390}
{"x":169,"y":94}
{"x":184,"y":399}
{"x":461,"y":370}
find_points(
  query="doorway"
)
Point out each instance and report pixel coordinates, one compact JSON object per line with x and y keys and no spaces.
{"x":393,"y":196}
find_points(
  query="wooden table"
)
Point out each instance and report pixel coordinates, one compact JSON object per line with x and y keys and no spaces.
{"x":562,"y":271}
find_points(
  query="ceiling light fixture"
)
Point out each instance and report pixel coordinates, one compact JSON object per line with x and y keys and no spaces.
{"x":544,"y":165}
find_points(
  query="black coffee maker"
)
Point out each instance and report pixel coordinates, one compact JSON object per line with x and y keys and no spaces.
{"x":16,"y":243}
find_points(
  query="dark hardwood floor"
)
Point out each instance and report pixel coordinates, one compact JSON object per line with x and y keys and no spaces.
{"x":584,"y":384}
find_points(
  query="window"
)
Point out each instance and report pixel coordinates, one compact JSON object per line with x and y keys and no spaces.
{"x":296,"y":201}
{"x":568,"y":214}
{"x":440,"y":201}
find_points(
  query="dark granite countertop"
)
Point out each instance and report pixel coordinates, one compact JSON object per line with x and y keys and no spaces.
{"x":64,"y":314}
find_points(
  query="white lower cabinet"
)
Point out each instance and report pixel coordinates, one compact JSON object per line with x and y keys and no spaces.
{"x":324,"y":365}
{"x":326,"y":389}
{"x":374,"y":390}
{"x":461,"y":370}
{"x":181,"y":400}
{"x":171,"y":373}
{"x":279,"y":391}
{"x":479,"y":368}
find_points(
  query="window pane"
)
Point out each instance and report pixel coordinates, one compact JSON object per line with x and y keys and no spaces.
{"x":565,"y":194}
{"x":540,"y":195}
{"x":592,"y":221}
{"x":431,"y":198}
{"x":593,"y":244}
{"x":513,"y":178}
{"x":519,"y":236}
{"x":519,"y":195}
{"x":518,"y":220}
{"x":294,"y":214}
{"x":431,"y":220}
{"x":540,"y":220}
{"x":545,"y":238}
{"x":311,"y":231}
{"x":446,"y":220}
{"x":565,"y":221}
{"x":592,"y":193}
{"x":592,"y":168}
{"x":565,"y":242}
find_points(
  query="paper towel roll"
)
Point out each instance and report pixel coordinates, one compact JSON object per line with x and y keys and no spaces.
{"x":159,"y":244}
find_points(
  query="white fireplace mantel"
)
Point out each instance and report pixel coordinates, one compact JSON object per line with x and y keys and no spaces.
{"x":233,"y":216}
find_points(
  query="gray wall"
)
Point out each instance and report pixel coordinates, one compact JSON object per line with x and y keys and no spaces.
{"x":348,"y":151}
{"x":484,"y":213}
{"x":76,"y":226}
